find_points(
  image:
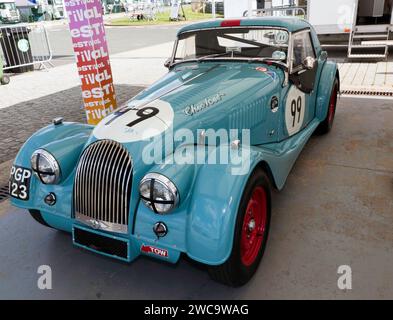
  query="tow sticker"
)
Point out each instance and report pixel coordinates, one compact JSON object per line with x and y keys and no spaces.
{"x":294,"y":110}
{"x":154,"y":250}
{"x":137,"y":121}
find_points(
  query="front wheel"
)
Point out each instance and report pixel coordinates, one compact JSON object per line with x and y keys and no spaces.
{"x":37,"y":216}
{"x":251,"y":233}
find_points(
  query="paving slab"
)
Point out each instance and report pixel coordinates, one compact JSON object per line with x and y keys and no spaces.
{"x":367,"y":77}
{"x":360,"y":75}
{"x":20,"y":121}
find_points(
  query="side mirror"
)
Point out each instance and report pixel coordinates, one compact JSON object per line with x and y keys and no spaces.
{"x":167,"y":63}
{"x":324,"y":55}
{"x":279,"y":55}
{"x":309,"y":63}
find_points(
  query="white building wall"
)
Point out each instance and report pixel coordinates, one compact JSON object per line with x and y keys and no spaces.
{"x":333,"y":16}
{"x":281,"y":3}
{"x":236,"y":8}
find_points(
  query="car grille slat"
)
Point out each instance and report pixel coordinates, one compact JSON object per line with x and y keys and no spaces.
{"x":126,"y":179}
{"x":88,"y":182}
{"x":85,"y":183}
{"x":92,"y":177}
{"x":118,"y":192}
{"x":114,"y":193}
{"x":91,"y":182}
{"x":111,"y":155}
{"x":102,"y":187}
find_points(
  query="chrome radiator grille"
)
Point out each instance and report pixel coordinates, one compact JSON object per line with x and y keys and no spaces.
{"x":102,"y":186}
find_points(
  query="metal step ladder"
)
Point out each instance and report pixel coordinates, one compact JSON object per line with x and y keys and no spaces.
{"x":369,"y":42}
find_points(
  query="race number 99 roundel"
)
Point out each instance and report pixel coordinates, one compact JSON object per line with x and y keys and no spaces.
{"x":294,"y":110}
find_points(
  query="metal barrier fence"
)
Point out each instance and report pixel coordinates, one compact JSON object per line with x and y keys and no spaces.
{"x":22,"y":46}
{"x":278,"y":12}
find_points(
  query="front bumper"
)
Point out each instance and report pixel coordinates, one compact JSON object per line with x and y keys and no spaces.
{"x":100,"y":242}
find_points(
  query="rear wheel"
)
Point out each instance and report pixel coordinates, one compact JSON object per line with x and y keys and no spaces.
{"x":327,"y":124}
{"x":251,"y":233}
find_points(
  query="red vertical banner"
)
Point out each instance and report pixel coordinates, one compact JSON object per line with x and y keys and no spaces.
{"x":92,"y":56}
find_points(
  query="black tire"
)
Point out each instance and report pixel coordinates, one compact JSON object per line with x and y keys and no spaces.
{"x":5,"y":80}
{"x":37,"y":216}
{"x":234,"y":272}
{"x":326,"y":125}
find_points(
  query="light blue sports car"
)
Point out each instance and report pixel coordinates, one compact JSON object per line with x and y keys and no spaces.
{"x":187,"y":166}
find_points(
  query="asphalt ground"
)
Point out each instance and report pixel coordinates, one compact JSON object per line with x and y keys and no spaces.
{"x":120,"y":39}
{"x":336,"y":209}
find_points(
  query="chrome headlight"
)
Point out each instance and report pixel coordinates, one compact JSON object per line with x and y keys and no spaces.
{"x":45,"y":167}
{"x":158,"y":193}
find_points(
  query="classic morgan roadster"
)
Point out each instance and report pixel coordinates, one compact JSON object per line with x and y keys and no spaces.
{"x":266,"y":78}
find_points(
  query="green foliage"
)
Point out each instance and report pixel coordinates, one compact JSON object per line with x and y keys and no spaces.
{"x":163,"y":18}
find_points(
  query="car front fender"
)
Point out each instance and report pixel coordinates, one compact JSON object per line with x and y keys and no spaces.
{"x":203,"y":224}
{"x":213,"y":207}
{"x":328,"y":75}
{"x":65,"y":142}
{"x":56,"y":139}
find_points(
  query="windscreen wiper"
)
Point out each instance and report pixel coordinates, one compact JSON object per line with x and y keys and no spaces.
{"x":215,"y":55}
{"x":210,"y":56}
{"x":270,"y":61}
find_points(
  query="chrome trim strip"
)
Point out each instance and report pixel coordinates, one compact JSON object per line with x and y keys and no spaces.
{"x":101,"y":225}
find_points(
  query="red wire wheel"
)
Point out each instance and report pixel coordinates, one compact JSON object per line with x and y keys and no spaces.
{"x":250,"y":234}
{"x":254,"y":226}
{"x":332,"y":105}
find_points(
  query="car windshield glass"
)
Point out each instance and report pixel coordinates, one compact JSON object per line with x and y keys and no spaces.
{"x":227,"y":43}
{"x":7,"y":5}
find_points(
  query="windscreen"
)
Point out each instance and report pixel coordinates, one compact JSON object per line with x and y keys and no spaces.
{"x":234,"y":43}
